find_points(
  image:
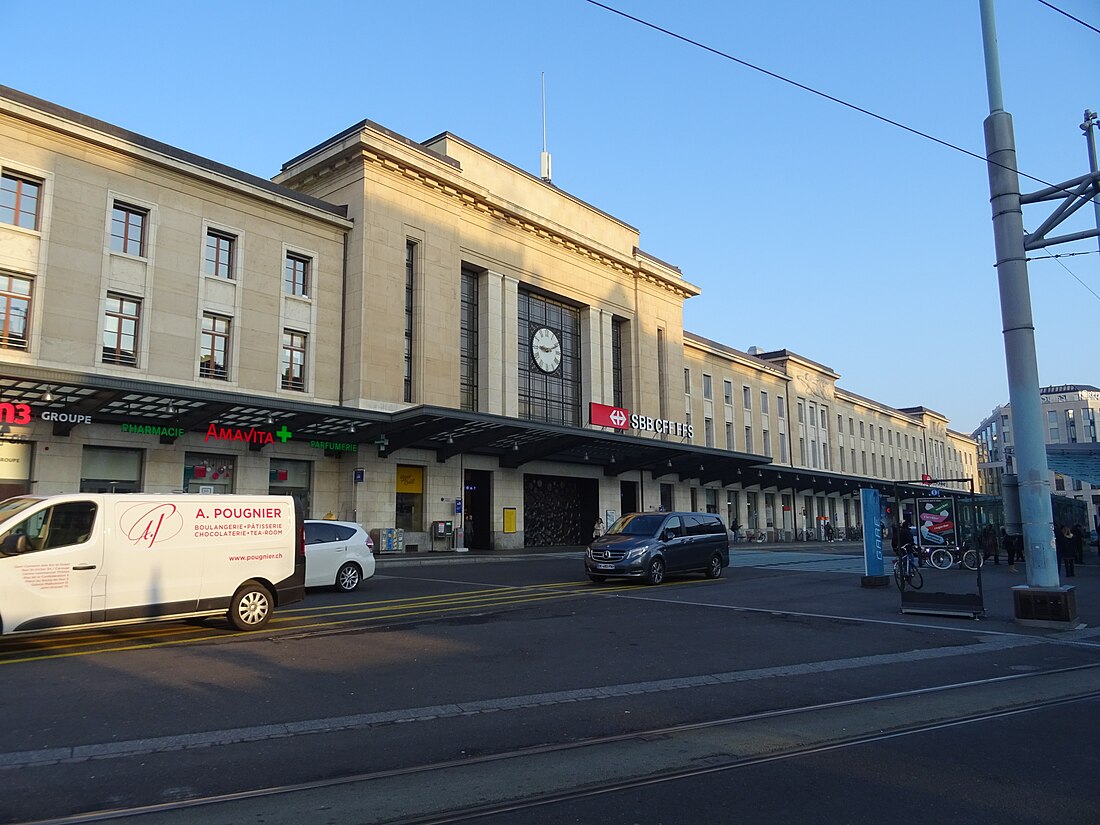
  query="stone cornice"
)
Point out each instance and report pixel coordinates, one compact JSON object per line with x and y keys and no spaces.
{"x":641,"y":267}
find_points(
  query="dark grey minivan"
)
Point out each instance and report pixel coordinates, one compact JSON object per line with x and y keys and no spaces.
{"x":650,"y":545}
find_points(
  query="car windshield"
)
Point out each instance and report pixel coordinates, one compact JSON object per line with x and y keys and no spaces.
{"x":639,"y":524}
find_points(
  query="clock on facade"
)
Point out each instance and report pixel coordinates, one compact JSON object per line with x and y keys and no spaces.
{"x":546,"y":349}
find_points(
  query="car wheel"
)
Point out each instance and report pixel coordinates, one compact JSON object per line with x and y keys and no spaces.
{"x":348,"y":577}
{"x":597,"y":579}
{"x":656,"y":572}
{"x":714,"y":568}
{"x":251,"y":606}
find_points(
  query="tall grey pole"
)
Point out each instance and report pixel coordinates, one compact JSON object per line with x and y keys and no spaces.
{"x":1018,"y":326}
{"x":1088,"y":127}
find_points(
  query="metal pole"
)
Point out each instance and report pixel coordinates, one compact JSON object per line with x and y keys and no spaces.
{"x":1018,"y":326}
{"x":1088,"y":127}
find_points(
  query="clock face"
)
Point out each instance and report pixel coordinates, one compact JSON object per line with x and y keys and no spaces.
{"x":546,"y":349}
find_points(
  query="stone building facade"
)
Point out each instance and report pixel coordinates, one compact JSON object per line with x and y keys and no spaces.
{"x":404,"y":334}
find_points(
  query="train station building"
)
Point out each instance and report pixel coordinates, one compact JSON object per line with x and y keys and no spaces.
{"x":402,"y":333}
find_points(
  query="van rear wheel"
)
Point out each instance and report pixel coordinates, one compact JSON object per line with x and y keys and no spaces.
{"x":251,"y":607}
{"x":714,"y":567}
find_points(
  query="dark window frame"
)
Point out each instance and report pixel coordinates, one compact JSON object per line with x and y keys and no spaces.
{"x":215,"y":340}
{"x":129,"y":217}
{"x":296,"y":274}
{"x":17,"y":185}
{"x":295,"y":354}
{"x":219,"y":258}
{"x":10,"y":297}
{"x":116,"y":314}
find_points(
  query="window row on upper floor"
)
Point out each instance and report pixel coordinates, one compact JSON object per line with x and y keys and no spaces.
{"x":129,"y":234}
{"x":121,"y":331}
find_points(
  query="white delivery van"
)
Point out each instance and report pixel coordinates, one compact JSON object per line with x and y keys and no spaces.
{"x":84,"y":559}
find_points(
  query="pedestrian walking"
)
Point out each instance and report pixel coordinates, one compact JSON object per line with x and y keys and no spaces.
{"x":1079,"y":544}
{"x":829,"y":531}
{"x":1013,"y":552}
{"x":989,"y":544}
{"x":1064,"y":545}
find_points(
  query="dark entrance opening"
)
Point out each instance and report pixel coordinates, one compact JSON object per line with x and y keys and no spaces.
{"x":628,"y":497}
{"x":476,"y":497}
{"x":559,"y":511}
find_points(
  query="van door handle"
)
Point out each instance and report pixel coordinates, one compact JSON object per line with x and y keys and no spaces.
{"x":83,"y":567}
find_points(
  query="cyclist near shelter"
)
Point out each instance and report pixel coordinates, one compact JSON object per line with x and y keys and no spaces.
{"x":901,"y":537}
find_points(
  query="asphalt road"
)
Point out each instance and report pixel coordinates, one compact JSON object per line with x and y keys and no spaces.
{"x":493,"y":687}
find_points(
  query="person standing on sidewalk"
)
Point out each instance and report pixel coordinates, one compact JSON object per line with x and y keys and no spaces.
{"x":1064,"y":545}
{"x":1078,"y":544}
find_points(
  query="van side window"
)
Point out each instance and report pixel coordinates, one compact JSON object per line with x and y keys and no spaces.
{"x":70,"y":523}
{"x":673,"y":527}
{"x":59,"y":526}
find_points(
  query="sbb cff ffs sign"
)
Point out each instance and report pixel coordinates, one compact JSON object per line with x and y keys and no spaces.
{"x":604,"y":416}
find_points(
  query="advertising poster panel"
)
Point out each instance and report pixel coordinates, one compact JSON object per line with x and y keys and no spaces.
{"x":936,"y":525}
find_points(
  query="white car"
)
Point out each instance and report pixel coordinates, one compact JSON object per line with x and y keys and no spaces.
{"x":338,"y":553}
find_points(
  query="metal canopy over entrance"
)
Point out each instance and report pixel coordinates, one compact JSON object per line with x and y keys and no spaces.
{"x":71,"y":399}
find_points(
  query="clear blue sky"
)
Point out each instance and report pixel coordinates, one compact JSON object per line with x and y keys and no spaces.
{"x":807,"y":225}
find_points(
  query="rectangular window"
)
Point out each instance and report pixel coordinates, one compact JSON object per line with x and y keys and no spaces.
{"x":1052,"y":426}
{"x":617,"y":362}
{"x":19,"y":198}
{"x":783,"y":447}
{"x":748,"y":439}
{"x":874,"y":464}
{"x":765,"y":437}
{"x":780,"y":406}
{"x":764,"y":403}
{"x":861,"y":432}
{"x":1071,"y":427}
{"x":687,"y":381}
{"x":662,"y":376}
{"x":801,"y":412}
{"x":843,"y":468}
{"x":727,"y":390}
{"x":120,"y":330}
{"x":468,"y":332}
{"x":296,"y":275}
{"x":708,"y":431}
{"x":294,"y":360}
{"x":214,"y":347}
{"x":746,"y":397}
{"x":707,"y":391}
{"x":15,"y":311}
{"x":410,"y":276}
{"x":218,"y":260}
{"x":128,"y":229}
{"x":729,"y":436}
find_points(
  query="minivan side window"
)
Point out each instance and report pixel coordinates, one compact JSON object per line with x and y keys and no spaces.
{"x":673,"y":527}
{"x":59,"y":526}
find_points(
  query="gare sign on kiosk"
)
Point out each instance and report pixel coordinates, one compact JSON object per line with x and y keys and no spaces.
{"x":620,"y":418}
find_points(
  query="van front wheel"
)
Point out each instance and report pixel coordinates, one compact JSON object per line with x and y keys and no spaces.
{"x":655,"y":574}
{"x":251,"y":606}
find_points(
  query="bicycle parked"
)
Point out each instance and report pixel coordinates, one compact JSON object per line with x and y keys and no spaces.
{"x":907,"y":569}
{"x":944,"y":558}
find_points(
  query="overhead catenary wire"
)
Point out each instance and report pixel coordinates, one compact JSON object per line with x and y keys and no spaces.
{"x":840,"y":101}
{"x":825,"y":95}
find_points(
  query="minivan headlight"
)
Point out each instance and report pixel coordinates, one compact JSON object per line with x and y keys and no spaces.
{"x":638,"y":551}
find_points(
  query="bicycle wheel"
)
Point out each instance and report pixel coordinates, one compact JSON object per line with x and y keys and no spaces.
{"x":942,"y":559}
{"x":972,"y":560}
{"x":916,"y":578}
{"x":899,"y":579}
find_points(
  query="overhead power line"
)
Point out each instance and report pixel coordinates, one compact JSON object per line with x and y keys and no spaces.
{"x":1070,"y":16}
{"x":819,"y":93}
